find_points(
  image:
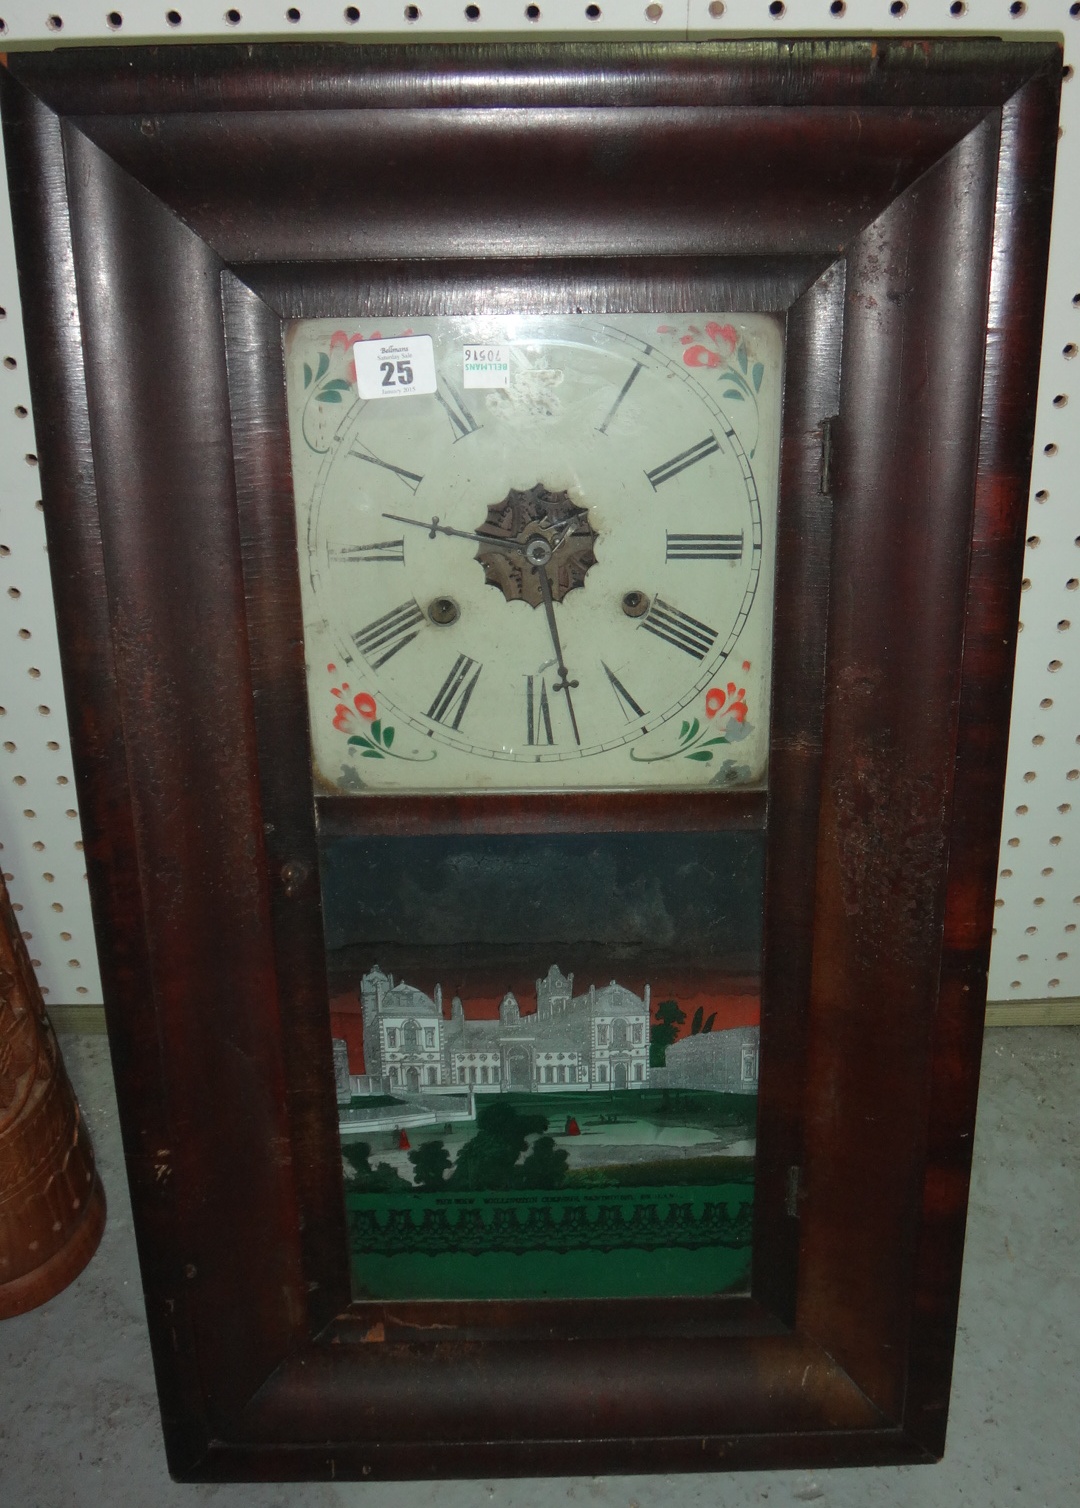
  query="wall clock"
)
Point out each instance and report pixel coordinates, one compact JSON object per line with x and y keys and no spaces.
{"x":537,"y":563}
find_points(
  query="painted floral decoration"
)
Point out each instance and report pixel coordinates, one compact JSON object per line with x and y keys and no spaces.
{"x":351,"y":713}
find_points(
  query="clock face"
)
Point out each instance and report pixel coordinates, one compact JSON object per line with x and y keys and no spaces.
{"x":537,"y":552}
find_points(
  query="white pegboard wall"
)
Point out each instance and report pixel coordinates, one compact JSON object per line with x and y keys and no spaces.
{"x":1036,"y":952}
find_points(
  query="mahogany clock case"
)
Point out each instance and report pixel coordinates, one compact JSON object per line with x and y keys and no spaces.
{"x":889,"y":201}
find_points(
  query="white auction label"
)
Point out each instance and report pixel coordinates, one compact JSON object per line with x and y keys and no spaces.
{"x":395,"y":368}
{"x":486,"y":366}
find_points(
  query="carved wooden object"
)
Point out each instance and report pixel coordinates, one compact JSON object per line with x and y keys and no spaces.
{"x":52,"y":1204}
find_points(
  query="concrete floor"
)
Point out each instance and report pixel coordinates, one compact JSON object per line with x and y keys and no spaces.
{"x":78,"y":1413}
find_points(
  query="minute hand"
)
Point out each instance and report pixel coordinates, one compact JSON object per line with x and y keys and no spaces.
{"x":436,"y":528}
{"x":564,"y":683}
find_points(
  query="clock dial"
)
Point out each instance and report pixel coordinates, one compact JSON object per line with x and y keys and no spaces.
{"x":562,"y":581}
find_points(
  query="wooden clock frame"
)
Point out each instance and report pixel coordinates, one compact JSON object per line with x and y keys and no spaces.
{"x":891,"y":200}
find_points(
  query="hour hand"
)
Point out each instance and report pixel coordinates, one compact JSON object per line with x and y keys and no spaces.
{"x":436,"y":528}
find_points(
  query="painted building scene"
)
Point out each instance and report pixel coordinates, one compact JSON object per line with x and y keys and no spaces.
{"x":517,"y":1145}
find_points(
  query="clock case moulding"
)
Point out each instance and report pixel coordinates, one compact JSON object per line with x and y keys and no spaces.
{"x":891,"y":200}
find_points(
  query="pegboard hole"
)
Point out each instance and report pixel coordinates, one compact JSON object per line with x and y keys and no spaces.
{"x":13,"y":591}
{"x":1040,"y":900}
{"x":1014,"y":984}
{"x":174,"y":18}
{"x":1069,"y":351}
{"x":10,"y":363}
{"x":1042,"y":496}
{"x":898,"y":8}
{"x":292,"y":15}
{"x":1070,"y":926}
{"x":716,"y":9}
{"x":837,"y":8}
{"x":1061,"y":957}
{"x":35,"y":675}
{"x":1072,"y":584}
{"x":9,"y":746}
{"x":71,"y":812}
{"x":62,"y":780}
{"x":352,"y":14}
{"x":1047,"y":701}
{"x":999,"y":903}
{"x":1033,"y":541}
{"x":48,"y":878}
{"x":1047,"y":871}
{"x":1030,"y":931}
{"x":1072,"y":774}
{"x":957,"y":8}
{"x":18,"y":779}
{"x":1060,"y":400}
{"x":1022,"y":957}
{"x":1067,"y":71}
{"x":1017,"y":8}
{"x":1014,"y":843}
{"x":55,"y":23}
{"x":56,"y":906}
{"x":412,"y":13}
{"x":1054,"y":665}
{"x":233,"y":17}
{"x":52,"y":744}
{"x":38,"y":847}
{"x":1052,"y":983}
{"x":653,"y":12}
{"x":1029,"y":775}
{"x":1055,"y":840}
{"x":1021,"y":811}
{"x":1025,"y":585}
{"x":1064,"y":625}
{"x":1050,"y":450}
{"x":593,"y":12}
{"x":1074,"y":9}
{"x":532,"y":13}
{"x":1038,"y":739}
{"x":777,"y":9}
{"x":1006,"y":874}
{"x":1066,"y":806}
{"x":30,"y":458}
{"x":472,"y":13}
{"x":43,"y":710}
{"x":114,"y":20}
{"x":81,"y":989}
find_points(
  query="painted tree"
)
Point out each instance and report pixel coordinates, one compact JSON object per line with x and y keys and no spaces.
{"x":545,"y":1166}
{"x":488,"y":1159}
{"x":431,"y":1162}
{"x":663,"y":1031}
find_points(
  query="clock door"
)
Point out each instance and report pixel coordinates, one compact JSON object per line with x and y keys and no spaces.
{"x":537,"y":559}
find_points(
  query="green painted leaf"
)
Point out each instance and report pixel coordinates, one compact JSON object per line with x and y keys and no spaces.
{"x":307,"y":375}
{"x":684,"y":730}
{"x":371,"y":754}
{"x":338,"y":385}
{"x":326,"y":397}
{"x":709,"y":1024}
{"x":324,"y":362}
{"x":703,"y":754}
{"x":387,"y":737}
{"x":695,"y":1025}
{"x":733,"y":392}
{"x":742,"y":356}
{"x":358,"y":738}
{"x":376,"y":730}
{"x":694,"y":726}
{"x":708,"y":741}
{"x":757,"y":374}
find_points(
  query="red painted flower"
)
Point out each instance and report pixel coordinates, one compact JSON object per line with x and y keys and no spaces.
{"x":344,"y":715}
{"x":730,"y":702}
{"x":724,"y":337}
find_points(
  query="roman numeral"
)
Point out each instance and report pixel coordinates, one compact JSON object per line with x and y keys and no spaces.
{"x":382,"y":639}
{"x":614,"y":409}
{"x":385,"y":549}
{"x":537,"y":711}
{"x":685,"y":458}
{"x":678,"y":628}
{"x":629,"y":707}
{"x":454,"y":693}
{"x":410,"y":478}
{"x":704,"y":547}
{"x":461,"y":421}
